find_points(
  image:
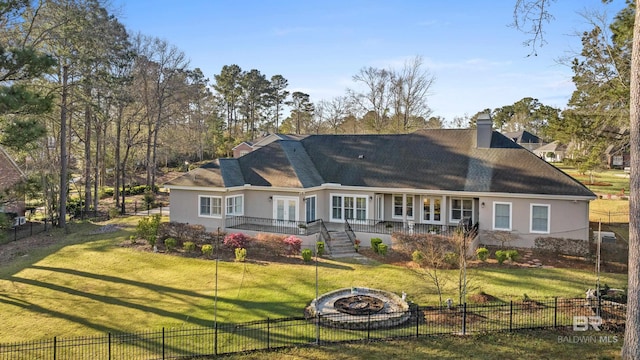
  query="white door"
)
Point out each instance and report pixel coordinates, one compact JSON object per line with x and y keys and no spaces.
{"x":380,"y":207}
{"x":285,"y":210}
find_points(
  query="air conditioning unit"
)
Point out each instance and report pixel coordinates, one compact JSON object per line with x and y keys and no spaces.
{"x":20,"y":220}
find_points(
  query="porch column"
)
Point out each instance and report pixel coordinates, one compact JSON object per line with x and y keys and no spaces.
{"x":404,"y":210}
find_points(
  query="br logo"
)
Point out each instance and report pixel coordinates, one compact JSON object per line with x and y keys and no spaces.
{"x":582,"y":323}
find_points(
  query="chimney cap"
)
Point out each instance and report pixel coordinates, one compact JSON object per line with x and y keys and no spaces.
{"x":484,"y":116}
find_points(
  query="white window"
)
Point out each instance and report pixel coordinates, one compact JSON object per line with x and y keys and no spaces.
{"x":398,"y":204}
{"x":235,"y":205}
{"x":209,"y":206}
{"x":431,"y":209}
{"x":461,"y":208}
{"x":540,"y":218}
{"x":502,"y":216}
{"x":310,"y":208}
{"x":244,"y":152}
{"x":348,"y":207}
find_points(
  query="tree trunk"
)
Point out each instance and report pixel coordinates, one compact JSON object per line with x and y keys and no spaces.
{"x":116,"y":187}
{"x":631,"y":347}
{"x":87,"y":152}
{"x":64,"y":183}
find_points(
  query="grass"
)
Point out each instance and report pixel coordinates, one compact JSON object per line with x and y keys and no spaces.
{"x":87,"y":283}
{"x":492,"y":346}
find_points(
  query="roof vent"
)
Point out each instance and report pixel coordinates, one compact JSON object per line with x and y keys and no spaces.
{"x":360,"y":156}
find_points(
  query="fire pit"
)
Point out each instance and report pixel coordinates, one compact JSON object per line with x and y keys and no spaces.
{"x":359,"y":305}
{"x":359,"y":308}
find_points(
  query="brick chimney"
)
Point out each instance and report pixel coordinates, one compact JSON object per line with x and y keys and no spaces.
{"x":484,"y":128}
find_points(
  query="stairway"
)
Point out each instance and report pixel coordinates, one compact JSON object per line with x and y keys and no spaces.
{"x":341,"y":247}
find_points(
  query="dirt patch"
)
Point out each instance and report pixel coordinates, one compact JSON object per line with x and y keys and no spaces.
{"x":22,"y":247}
{"x":483,"y":298}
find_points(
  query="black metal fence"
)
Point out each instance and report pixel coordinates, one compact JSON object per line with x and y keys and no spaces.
{"x":224,"y":338}
{"x":28,"y":229}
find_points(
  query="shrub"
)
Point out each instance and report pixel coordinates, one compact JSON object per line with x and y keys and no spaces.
{"x":114,"y":212}
{"x":451,"y":258}
{"x":512,"y":255}
{"x":207,"y":249}
{"x":170,"y":244}
{"x":501,"y":256}
{"x":417,"y":256}
{"x":382,"y":249}
{"x":189,"y":246}
{"x":149,"y":199}
{"x":306,"y":255}
{"x":241,"y":254}
{"x":374,"y":244}
{"x":152,"y":240}
{"x":106,"y":192}
{"x":293,"y":245}
{"x":148,"y":227}
{"x":236,"y":240}
{"x":320,"y":247}
{"x":482,"y":254}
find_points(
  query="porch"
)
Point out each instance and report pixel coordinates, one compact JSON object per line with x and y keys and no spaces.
{"x":369,"y":226}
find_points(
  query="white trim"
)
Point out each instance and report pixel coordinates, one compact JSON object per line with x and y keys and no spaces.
{"x":226,"y":205}
{"x":493,"y":218}
{"x":286,"y":199}
{"x":212,"y":215}
{"x":548,"y":206}
{"x":315,"y":206}
{"x":331,"y":186}
{"x":462,"y":199}
{"x":405,"y":198}
{"x":432,"y":200}
{"x":355,"y":207}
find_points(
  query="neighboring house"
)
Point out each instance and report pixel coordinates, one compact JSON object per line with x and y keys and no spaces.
{"x":430,"y":180}
{"x":246,"y":147}
{"x":552,"y":152}
{"x":618,"y":157}
{"x":10,"y":175}
{"x":525,"y":139}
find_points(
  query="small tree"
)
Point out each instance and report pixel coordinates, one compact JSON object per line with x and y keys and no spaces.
{"x":430,"y":255}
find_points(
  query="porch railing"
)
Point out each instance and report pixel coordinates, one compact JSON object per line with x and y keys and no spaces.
{"x":350,"y":233}
{"x":389,"y":227}
{"x":269,"y":225}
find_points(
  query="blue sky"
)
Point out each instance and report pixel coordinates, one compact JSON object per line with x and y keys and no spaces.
{"x":478,"y":60}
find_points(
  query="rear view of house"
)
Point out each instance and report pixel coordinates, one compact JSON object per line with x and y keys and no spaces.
{"x":427,"y":181}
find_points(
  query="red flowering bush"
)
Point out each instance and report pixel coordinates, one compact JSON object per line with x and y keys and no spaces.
{"x":237,"y":240}
{"x":293,"y":245}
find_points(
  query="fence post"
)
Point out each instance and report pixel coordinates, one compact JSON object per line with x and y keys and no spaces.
{"x":15,"y":233}
{"x":510,"y":315}
{"x":55,"y":342}
{"x":30,"y":228}
{"x":268,"y":334}
{"x":464,"y":319}
{"x":109,"y":347}
{"x":215,"y":339}
{"x":417,"y":320}
{"x":555,"y":312}
{"x":163,"y":344}
{"x":368,"y":326}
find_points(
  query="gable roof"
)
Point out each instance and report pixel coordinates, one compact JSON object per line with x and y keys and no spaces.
{"x":439,"y":159}
{"x":552,"y":146}
{"x":10,"y":173}
{"x":523,"y":137}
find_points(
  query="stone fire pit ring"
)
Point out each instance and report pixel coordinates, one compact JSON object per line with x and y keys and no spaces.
{"x":359,"y":309}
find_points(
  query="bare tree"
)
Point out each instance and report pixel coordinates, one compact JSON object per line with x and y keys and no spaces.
{"x":410,"y":89}
{"x":375,"y":100}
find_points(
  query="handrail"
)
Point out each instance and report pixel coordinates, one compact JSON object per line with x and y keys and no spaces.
{"x":349,"y":231}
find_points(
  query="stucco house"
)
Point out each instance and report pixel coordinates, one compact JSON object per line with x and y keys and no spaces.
{"x":371,"y":185}
{"x":552,"y":152}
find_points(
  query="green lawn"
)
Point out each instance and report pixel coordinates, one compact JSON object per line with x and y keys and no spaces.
{"x":85,"y":284}
{"x":544,"y":344}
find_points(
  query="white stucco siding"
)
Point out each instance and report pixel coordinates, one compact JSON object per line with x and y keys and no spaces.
{"x":567,"y":219}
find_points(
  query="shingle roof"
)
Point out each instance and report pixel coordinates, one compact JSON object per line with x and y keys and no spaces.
{"x":523,"y":137}
{"x":440,"y":159}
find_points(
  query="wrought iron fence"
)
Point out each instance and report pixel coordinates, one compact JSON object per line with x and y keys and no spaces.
{"x":28,"y":229}
{"x":227,"y":338}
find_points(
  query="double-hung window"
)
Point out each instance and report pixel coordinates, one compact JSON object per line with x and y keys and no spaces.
{"x":502,"y":216}
{"x":348,"y":207}
{"x":398,"y":204}
{"x":209,"y":206}
{"x":235,"y":205}
{"x":540,"y":218}
{"x":461,"y":208}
